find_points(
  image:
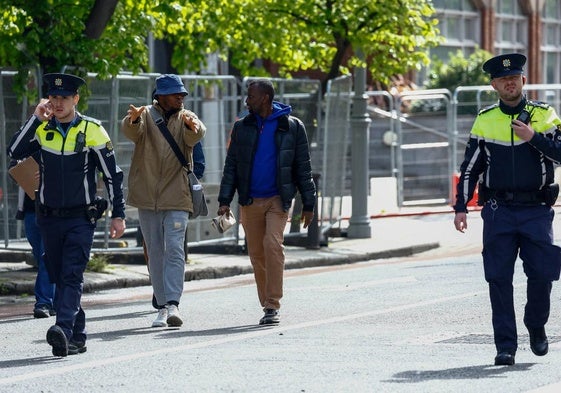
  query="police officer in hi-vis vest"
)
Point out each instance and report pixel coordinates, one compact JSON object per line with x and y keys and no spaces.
{"x":512,"y":149}
{"x":72,"y":150}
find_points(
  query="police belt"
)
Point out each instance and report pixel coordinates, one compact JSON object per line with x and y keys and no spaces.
{"x":537,"y":197}
{"x":72,"y":212}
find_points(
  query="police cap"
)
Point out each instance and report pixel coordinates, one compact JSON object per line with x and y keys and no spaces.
{"x":504,"y":65}
{"x":62,"y":84}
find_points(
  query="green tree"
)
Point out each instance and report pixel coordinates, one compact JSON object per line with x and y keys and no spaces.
{"x":461,"y":71}
{"x":303,"y":35}
{"x":108,"y":36}
{"x":90,"y":36}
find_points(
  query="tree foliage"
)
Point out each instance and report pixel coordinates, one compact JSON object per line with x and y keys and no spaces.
{"x":50,"y":35}
{"x":459,"y":71}
{"x":302,"y":35}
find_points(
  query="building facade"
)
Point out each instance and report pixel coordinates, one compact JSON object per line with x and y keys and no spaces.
{"x":530,"y":27}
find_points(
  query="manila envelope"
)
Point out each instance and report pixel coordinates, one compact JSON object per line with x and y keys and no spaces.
{"x":25,"y":174}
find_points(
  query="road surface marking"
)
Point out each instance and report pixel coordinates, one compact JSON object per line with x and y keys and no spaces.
{"x":62,"y":369}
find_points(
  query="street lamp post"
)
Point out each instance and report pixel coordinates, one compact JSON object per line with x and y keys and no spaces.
{"x":359,"y":224}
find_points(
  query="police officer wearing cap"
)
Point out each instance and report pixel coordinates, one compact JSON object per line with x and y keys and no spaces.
{"x":72,"y":150}
{"x":512,"y":149}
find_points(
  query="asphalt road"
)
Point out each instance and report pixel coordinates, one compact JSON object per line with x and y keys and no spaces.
{"x":417,"y":324}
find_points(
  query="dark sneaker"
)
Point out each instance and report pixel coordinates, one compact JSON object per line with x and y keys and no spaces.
{"x":52,"y":312}
{"x":271,"y":317}
{"x":41,"y":312}
{"x":57,"y":339}
{"x":75,"y":347}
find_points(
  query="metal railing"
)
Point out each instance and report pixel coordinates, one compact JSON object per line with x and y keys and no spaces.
{"x":416,"y":138}
{"x":217,"y":100}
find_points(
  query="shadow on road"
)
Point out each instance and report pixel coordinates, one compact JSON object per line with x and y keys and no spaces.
{"x":472,"y":372}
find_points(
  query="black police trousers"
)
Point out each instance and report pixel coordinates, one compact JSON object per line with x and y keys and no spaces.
{"x":509,"y":232}
{"x":68,"y":242}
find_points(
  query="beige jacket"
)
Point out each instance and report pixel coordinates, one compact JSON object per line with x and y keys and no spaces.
{"x":156,"y":180}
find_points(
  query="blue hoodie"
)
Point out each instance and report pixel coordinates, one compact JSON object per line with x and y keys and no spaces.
{"x":264,"y":174}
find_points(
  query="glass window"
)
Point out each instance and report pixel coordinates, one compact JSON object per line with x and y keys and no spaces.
{"x":522,"y":32}
{"x":459,"y":5}
{"x":507,"y":6}
{"x":512,"y":27}
{"x":472,"y":30}
{"x":506,"y":33}
{"x":453,"y":28}
{"x":459,"y":23}
{"x":441,"y":52}
{"x":551,"y":9}
{"x":550,"y":67}
{"x":551,"y":41}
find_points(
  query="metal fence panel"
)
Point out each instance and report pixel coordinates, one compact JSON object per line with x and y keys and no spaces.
{"x":217,"y":100}
{"x":334,"y":147}
{"x":418,"y":138}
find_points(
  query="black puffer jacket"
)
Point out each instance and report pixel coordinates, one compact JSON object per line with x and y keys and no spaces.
{"x":294,"y":171}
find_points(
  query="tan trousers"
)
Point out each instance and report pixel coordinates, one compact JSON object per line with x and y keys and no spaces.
{"x":264,"y":222}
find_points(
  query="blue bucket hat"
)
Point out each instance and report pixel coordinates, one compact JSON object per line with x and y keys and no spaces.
{"x":62,"y":84}
{"x":169,"y":84}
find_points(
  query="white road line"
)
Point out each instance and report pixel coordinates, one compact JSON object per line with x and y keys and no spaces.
{"x":355,"y":285}
{"x":265,"y":332}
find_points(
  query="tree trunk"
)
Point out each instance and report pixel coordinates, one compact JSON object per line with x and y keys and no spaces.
{"x":342,"y":47}
{"x":101,"y":12}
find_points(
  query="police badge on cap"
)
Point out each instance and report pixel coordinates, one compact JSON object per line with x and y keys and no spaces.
{"x":504,"y":65}
{"x":62,"y":84}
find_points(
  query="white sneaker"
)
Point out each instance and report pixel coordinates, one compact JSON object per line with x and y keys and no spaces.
{"x":160,"y":320}
{"x":174,"y":319}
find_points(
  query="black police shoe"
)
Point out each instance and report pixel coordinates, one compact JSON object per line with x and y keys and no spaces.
{"x":538,"y":341}
{"x":504,"y":359}
{"x":57,"y":339}
{"x":76,"y":347}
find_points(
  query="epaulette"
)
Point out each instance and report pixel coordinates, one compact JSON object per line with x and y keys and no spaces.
{"x":488,"y":108}
{"x":91,"y":119}
{"x":540,"y":104}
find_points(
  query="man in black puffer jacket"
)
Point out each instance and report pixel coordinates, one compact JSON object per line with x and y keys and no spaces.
{"x":268,"y":160}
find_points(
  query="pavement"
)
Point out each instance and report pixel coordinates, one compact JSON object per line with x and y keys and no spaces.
{"x":403,"y":233}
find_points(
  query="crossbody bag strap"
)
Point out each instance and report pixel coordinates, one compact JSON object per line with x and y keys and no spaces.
{"x":158,"y":119}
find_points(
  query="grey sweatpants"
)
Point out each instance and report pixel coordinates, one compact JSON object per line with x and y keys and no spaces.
{"x":164,"y":235}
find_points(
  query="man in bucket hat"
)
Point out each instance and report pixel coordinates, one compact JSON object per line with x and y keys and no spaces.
{"x":159,"y":188}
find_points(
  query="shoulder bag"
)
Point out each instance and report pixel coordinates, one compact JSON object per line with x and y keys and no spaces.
{"x":200,"y":207}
